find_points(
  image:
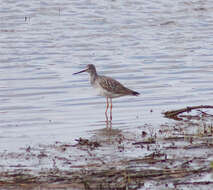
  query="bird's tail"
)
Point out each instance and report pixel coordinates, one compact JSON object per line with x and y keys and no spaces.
{"x":134,"y":93}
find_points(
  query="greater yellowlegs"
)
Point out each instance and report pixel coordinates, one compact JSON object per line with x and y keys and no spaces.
{"x":107,"y":86}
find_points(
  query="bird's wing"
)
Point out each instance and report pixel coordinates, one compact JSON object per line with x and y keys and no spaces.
{"x":112,"y":85}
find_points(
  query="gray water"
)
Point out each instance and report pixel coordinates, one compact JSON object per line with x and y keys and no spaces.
{"x":160,"y":48}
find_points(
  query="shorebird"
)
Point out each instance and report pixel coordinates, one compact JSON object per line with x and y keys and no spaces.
{"x":107,"y":86}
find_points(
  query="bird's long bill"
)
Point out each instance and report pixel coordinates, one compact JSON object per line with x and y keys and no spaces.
{"x":80,"y":72}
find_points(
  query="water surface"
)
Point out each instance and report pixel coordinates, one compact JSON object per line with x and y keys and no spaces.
{"x":161,"y":49}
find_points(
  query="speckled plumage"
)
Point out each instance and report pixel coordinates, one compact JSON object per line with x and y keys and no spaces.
{"x":114,"y":88}
{"x":107,"y":86}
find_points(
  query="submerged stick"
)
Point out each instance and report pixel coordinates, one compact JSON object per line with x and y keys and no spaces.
{"x":174,"y":113}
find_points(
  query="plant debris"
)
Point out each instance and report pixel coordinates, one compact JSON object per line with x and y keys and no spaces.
{"x":179,"y":155}
{"x":175,"y":114}
{"x":86,"y":142}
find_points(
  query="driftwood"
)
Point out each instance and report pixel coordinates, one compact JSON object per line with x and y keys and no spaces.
{"x":174,"y":113}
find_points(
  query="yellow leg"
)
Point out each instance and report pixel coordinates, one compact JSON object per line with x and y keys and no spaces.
{"x":107,"y":106}
{"x":111,"y":109}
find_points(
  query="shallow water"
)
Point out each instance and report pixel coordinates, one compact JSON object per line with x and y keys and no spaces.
{"x":161,"y":49}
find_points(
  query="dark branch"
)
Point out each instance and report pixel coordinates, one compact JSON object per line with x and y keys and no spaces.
{"x":174,"y":113}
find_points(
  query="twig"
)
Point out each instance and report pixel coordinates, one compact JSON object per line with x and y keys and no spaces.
{"x":174,"y":113}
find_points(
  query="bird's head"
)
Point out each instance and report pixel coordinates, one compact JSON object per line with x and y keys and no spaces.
{"x":89,"y":69}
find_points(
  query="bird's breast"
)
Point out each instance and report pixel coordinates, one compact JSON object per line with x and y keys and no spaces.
{"x":103,"y":92}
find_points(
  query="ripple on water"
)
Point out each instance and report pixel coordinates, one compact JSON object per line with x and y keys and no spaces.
{"x":160,"y":49}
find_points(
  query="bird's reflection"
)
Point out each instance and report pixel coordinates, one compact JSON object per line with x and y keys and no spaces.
{"x":107,"y":135}
{"x":108,"y":121}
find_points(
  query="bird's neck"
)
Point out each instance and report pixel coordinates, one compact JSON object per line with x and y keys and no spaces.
{"x":93,"y":77}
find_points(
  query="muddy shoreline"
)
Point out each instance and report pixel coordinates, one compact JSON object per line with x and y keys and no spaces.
{"x":178,"y":155}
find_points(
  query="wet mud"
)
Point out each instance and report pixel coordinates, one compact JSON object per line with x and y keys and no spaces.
{"x":179,"y":155}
